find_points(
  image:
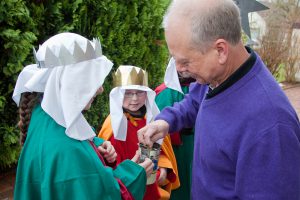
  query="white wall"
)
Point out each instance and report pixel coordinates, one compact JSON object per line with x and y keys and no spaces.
{"x":257,"y":26}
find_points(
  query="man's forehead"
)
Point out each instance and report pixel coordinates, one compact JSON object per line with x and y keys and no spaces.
{"x":178,"y":53}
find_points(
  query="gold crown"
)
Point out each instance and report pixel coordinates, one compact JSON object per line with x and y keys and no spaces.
{"x":130,"y":75}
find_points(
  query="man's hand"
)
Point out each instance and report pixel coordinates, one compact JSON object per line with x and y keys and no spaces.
{"x":152,"y":132}
{"x":108,"y":151}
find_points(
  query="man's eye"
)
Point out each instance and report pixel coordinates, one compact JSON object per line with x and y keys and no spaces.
{"x":186,"y":63}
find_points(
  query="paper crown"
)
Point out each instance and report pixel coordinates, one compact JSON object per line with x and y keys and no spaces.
{"x":130,"y":75}
{"x":67,"y":56}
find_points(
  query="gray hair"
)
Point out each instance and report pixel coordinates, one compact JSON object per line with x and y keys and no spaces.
{"x":217,"y":19}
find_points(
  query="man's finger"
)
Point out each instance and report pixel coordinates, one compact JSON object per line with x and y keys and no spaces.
{"x":156,"y":137}
{"x":147,"y":138}
{"x":140,"y":134}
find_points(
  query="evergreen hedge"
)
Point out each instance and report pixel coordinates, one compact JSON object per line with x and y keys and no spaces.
{"x":130,"y":32}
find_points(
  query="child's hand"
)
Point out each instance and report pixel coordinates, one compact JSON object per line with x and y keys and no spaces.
{"x":107,"y":150}
{"x":147,"y":164}
{"x":162,"y":177}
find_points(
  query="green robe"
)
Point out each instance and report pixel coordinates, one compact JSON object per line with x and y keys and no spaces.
{"x":54,"y":166}
{"x":184,"y":152}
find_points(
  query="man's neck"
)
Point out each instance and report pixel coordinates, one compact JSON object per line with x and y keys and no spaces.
{"x":237,"y":56}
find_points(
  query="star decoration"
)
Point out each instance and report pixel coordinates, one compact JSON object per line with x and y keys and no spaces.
{"x":247,"y":6}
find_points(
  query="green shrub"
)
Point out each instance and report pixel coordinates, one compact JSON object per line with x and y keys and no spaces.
{"x":10,"y":147}
{"x":130,"y":33}
{"x":16,"y":42}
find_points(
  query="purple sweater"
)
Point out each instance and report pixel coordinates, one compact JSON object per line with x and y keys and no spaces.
{"x":247,"y":139}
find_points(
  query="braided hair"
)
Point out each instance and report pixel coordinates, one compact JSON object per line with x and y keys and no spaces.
{"x":27,"y":102}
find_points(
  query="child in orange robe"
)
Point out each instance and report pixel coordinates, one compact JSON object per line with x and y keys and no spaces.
{"x":131,"y":107}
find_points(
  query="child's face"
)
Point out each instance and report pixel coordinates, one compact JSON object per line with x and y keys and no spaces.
{"x":134,"y":99}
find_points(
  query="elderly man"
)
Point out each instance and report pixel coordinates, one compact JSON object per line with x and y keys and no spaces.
{"x":246,"y":132}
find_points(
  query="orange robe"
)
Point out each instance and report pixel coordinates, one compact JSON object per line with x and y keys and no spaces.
{"x":126,"y":150}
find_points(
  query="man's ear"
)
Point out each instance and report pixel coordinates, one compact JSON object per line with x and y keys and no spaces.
{"x":222,"y":46}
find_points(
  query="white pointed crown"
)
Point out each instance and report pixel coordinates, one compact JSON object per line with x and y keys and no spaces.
{"x":54,"y":53}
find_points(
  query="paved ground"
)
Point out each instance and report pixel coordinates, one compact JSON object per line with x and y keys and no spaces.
{"x":7,"y":180}
{"x":293,"y":93}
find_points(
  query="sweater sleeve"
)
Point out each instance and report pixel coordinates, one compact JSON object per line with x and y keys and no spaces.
{"x":268,"y":168}
{"x":184,"y":113}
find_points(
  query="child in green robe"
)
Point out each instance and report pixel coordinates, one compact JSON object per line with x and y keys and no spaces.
{"x":60,"y":158}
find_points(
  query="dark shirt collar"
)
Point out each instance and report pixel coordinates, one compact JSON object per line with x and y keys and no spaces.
{"x":137,"y":114}
{"x":237,"y":75}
